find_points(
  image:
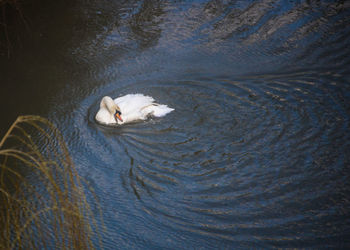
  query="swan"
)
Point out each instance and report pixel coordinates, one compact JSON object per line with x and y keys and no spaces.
{"x":129,"y":108}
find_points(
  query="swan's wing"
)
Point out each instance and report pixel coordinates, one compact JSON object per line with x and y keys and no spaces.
{"x":133,"y":102}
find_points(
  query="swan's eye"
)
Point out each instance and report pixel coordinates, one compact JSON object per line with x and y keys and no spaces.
{"x":117,"y":115}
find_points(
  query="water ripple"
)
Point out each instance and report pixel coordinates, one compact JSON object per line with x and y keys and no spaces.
{"x":237,"y":157}
{"x":256,"y":150}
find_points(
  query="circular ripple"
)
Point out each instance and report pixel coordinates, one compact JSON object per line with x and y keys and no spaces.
{"x":237,"y":159}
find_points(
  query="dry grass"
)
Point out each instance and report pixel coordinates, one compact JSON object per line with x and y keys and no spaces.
{"x":42,"y":201}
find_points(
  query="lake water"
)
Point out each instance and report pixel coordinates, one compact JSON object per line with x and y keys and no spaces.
{"x":257,"y":151}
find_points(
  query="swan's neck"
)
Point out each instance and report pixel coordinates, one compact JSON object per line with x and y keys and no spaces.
{"x":108,"y":103}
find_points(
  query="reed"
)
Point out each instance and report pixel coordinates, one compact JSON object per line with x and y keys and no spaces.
{"x":42,"y":197}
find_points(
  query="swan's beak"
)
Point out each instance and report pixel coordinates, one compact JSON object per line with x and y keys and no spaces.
{"x":117,"y":115}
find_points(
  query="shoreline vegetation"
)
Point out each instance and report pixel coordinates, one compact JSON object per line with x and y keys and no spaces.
{"x":42,"y":197}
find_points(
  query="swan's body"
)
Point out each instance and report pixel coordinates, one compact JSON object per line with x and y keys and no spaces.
{"x":131,"y":108}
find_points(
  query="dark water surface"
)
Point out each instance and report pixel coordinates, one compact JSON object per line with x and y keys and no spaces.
{"x":257,"y":151}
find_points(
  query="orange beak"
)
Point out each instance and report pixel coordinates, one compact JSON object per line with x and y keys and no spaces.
{"x":119,"y":117}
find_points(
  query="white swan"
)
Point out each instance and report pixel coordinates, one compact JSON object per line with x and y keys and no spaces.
{"x":129,"y":108}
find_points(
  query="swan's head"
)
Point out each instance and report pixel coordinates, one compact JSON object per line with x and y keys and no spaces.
{"x":109,"y":111}
{"x":117,"y":115}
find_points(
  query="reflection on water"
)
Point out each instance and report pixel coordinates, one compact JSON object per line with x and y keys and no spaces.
{"x":256,"y":153}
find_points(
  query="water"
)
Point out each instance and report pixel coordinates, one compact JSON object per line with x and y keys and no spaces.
{"x":256,"y":153}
